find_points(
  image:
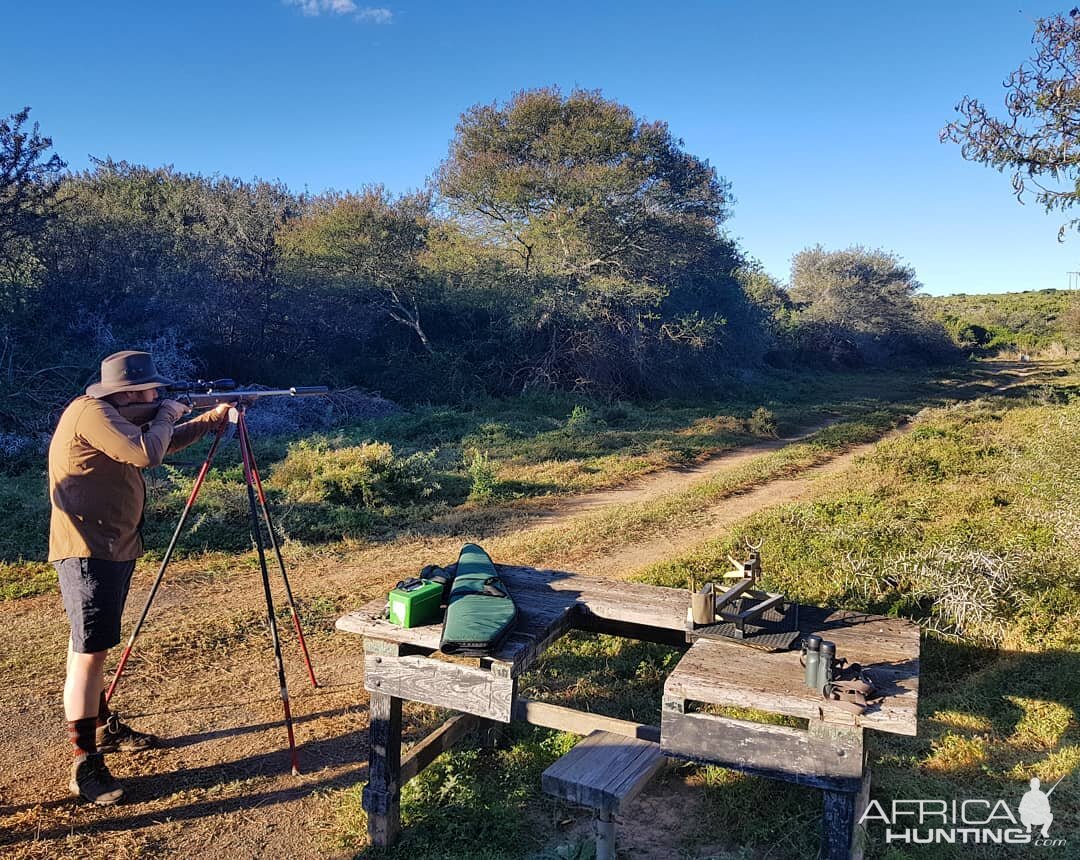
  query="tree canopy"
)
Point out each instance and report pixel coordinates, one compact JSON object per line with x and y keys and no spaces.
{"x":861,"y":305}
{"x":578,"y":185}
{"x":612,"y":228}
{"x":1038,"y":136}
{"x":29,"y":178}
{"x":565,"y":242}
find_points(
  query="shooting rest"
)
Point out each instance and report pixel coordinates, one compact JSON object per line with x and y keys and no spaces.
{"x":737,"y":609}
{"x":238,"y":427}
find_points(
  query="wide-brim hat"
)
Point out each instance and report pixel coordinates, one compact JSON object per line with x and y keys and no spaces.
{"x":129,"y":370}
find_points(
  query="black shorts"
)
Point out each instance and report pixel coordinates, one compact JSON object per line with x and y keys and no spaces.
{"x":94,"y":593}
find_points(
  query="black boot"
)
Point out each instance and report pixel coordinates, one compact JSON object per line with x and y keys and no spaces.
{"x":91,"y":780}
{"x":117,"y":736}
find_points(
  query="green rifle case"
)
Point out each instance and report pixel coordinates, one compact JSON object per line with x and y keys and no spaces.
{"x":479,"y":611}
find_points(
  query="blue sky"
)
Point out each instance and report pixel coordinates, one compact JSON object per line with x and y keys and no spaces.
{"x":824,"y":117}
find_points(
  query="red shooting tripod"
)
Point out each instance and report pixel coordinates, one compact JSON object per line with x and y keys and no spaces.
{"x":238,"y":424}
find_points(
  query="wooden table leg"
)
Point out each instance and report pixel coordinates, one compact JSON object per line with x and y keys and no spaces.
{"x":382,"y":794}
{"x":842,"y":837}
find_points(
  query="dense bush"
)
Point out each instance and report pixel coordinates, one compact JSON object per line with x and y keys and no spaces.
{"x":859,"y":306}
{"x":370,"y":475}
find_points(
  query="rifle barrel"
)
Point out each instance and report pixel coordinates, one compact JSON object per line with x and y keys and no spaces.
{"x":248,"y":395}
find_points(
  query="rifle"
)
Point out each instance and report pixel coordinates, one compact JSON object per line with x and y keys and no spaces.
{"x":206,"y":395}
{"x":203,"y":394}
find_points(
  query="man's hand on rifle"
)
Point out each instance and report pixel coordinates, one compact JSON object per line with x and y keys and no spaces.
{"x":218,"y":417}
{"x":173,"y":410}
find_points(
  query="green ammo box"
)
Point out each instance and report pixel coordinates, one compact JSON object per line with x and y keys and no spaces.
{"x":415,"y":603}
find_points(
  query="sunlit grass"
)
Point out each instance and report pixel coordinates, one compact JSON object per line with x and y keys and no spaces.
{"x":537,"y":445}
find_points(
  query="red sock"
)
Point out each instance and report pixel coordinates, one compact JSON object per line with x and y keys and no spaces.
{"x":103,"y":710}
{"x":83,"y":734}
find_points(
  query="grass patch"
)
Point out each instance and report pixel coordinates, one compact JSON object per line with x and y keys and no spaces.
{"x":604,"y":675}
{"x":472,"y":802}
{"x":26,"y":579}
{"x":967,"y":523}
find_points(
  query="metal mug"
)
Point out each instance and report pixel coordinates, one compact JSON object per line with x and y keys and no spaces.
{"x":701,"y":606}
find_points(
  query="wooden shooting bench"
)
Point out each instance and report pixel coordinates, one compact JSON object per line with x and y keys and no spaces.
{"x":402,"y":665}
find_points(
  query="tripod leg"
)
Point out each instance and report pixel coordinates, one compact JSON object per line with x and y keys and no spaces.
{"x":164,"y":563}
{"x":280,"y":561}
{"x":256,"y":533}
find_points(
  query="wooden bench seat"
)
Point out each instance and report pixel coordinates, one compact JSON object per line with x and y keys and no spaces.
{"x":603,"y":772}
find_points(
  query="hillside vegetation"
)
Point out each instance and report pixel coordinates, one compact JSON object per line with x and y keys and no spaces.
{"x":564,"y":244}
{"x":1030,"y":321}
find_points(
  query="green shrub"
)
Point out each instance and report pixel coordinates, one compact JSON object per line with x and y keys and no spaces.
{"x":369,"y":475}
{"x":482,"y":478}
{"x":581,"y":420}
{"x":26,"y":579}
{"x":762,"y":422}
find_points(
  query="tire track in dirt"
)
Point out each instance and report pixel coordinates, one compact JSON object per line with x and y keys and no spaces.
{"x":720,"y":518}
{"x":670,"y":480}
{"x":392,"y":563}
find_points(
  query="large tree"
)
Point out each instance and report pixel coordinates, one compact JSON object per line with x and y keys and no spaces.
{"x":1038,"y":136}
{"x":613,"y":228}
{"x":578,"y":185}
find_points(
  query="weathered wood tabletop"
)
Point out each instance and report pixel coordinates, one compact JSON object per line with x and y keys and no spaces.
{"x":403,"y":665}
{"x":727,"y":673}
{"x":550,"y":602}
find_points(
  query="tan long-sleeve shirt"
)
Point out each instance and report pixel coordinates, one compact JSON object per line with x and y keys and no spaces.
{"x":96,"y":486}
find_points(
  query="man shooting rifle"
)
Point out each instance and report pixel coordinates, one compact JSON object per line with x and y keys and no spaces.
{"x":96,"y":457}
